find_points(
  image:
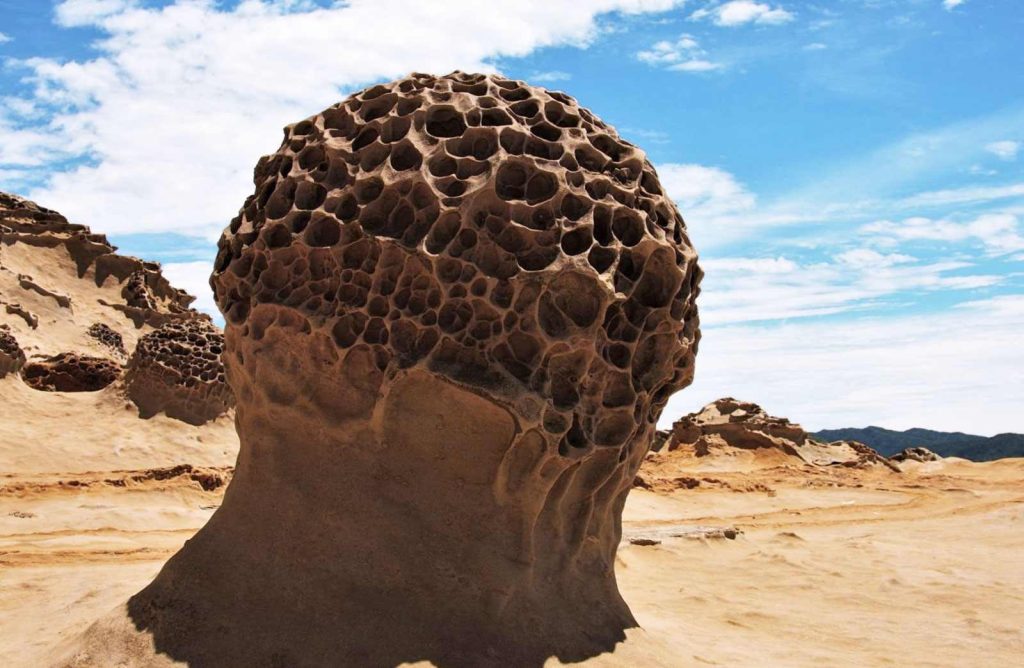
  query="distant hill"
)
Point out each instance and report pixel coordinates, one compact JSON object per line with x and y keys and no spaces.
{"x":948,"y":444}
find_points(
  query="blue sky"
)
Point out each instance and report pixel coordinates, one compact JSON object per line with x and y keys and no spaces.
{"x":852,"y":172}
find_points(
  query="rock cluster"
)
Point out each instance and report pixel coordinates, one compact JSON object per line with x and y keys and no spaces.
{"x":88,"y":294}
{"x":918,"y":454}
{"x":456,"y":307}
{"x":731,"y":424}
{"x":70,"y":372}
{"x":11,"y":356}
{"x":108,"y":337}
{"x":177,"y":369}
{"x":738,"y":424}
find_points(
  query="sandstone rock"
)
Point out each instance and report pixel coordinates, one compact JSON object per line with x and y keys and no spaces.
{"x":917,"y":454}
{"x":177,"y":370}
{"x":108,"y":337}
{"x":731,"y":424}
{"x":70,"y":372}
{"x":456,"y":307}
{"x":11,"y":356}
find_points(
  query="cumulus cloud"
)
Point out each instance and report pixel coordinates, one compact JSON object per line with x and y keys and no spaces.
{"x":741,"y":289}
{"x":4,"y":38}
{"x":998,"y":232}
{"x":950,"y":5}
{"x":194,"y":278}
{"x":706,"y":195}
{"x":1004,"y":150}
{"x":682,"y":55}
{"x":549,"y":77}
{"x":952,"y":370}
{"x":741,"y":12}
{"x":164,"y":125}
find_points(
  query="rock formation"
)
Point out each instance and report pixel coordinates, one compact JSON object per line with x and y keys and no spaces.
{"x":76,"y":307}
{"x":108,"y":337}
{"x":456,"y":307}
{"x":917,"y":454}
{"x":68,"y":372}
{"x":11,"y":356}
{"x":177,"y":369}
{"x":728,"y":425}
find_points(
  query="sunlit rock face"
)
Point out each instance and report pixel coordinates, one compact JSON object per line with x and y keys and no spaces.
{"x":455,"y":307}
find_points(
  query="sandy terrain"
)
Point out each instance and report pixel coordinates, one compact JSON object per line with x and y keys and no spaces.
{"x":833,"y":566}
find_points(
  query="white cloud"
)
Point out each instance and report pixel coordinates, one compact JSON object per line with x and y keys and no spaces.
{"x":737,"y":290}
{"x":1004,"y":150}
{"x":682,"y":55}
{"x":704,"y":194}
{"x":740,"y":12}
{"x":998,"y":232}
{"x":962,"y":369}
{"x":950,"y":5}
{"x":548,"y":77}
{"x":815,"y":46}
{"x":181,"y":100}
{"x":194,"y":278}
{"x":4,"y":38}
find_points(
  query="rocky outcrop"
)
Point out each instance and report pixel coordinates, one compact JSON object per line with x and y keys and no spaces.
{"x":456,"y":307}
{"x":11,"y":356}
{"x":177,"y":370}
{"x":108,"y":337}
{"x":729,"y":424}
{"x":70,"y":372}
{"x":25,"y":222}
{"x":917,"y":454}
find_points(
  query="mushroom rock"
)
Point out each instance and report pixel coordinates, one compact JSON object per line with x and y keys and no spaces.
{"x":456,"y":307}
{"x":177,"y":369}
{"x":11,"y":356}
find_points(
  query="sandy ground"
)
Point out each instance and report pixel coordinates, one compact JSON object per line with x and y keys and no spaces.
{"x":833,"y":566}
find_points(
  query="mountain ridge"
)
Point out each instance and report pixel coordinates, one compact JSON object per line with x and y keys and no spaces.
{"x":945,"y":443}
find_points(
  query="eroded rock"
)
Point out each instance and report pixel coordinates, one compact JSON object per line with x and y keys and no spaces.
{"x":917,"y":454}
{"x":728,"y":424}
{"x":108,"y":337}
{"x":177,"y":370}
{"x":70,"y":372}
{"x":11,"y":356}
{"x":456,"y":307}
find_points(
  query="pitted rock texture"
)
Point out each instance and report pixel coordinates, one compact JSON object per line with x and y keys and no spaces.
{"x":496,"y":233}
{"x":108,"y":337}
{"x":11,"y":356}
{"x":177,"y":370}
{"x":70,"y":372}
{"x":456,"y":307}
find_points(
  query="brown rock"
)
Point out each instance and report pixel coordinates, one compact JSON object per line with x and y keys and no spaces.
{"x":177,"y":370}
{"x":731,"y":424}
{"x":70,"y":372}
{"x":11,"y":356}
{"x":456,"y":307}
{"x":918,"y":454}
{"x":108,"y":337}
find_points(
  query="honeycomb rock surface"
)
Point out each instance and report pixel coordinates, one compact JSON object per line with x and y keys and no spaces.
{"x":108,"y":337}
{"x":455,"y":307}
{"x":70,"y":372}
{"x":11,"y":356}
{"x":177,"y":370}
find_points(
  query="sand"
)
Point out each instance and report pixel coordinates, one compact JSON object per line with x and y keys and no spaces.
{"x":833,"y":566}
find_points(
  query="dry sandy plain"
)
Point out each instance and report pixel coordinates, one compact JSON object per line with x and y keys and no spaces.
{"x":833,"y":566}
